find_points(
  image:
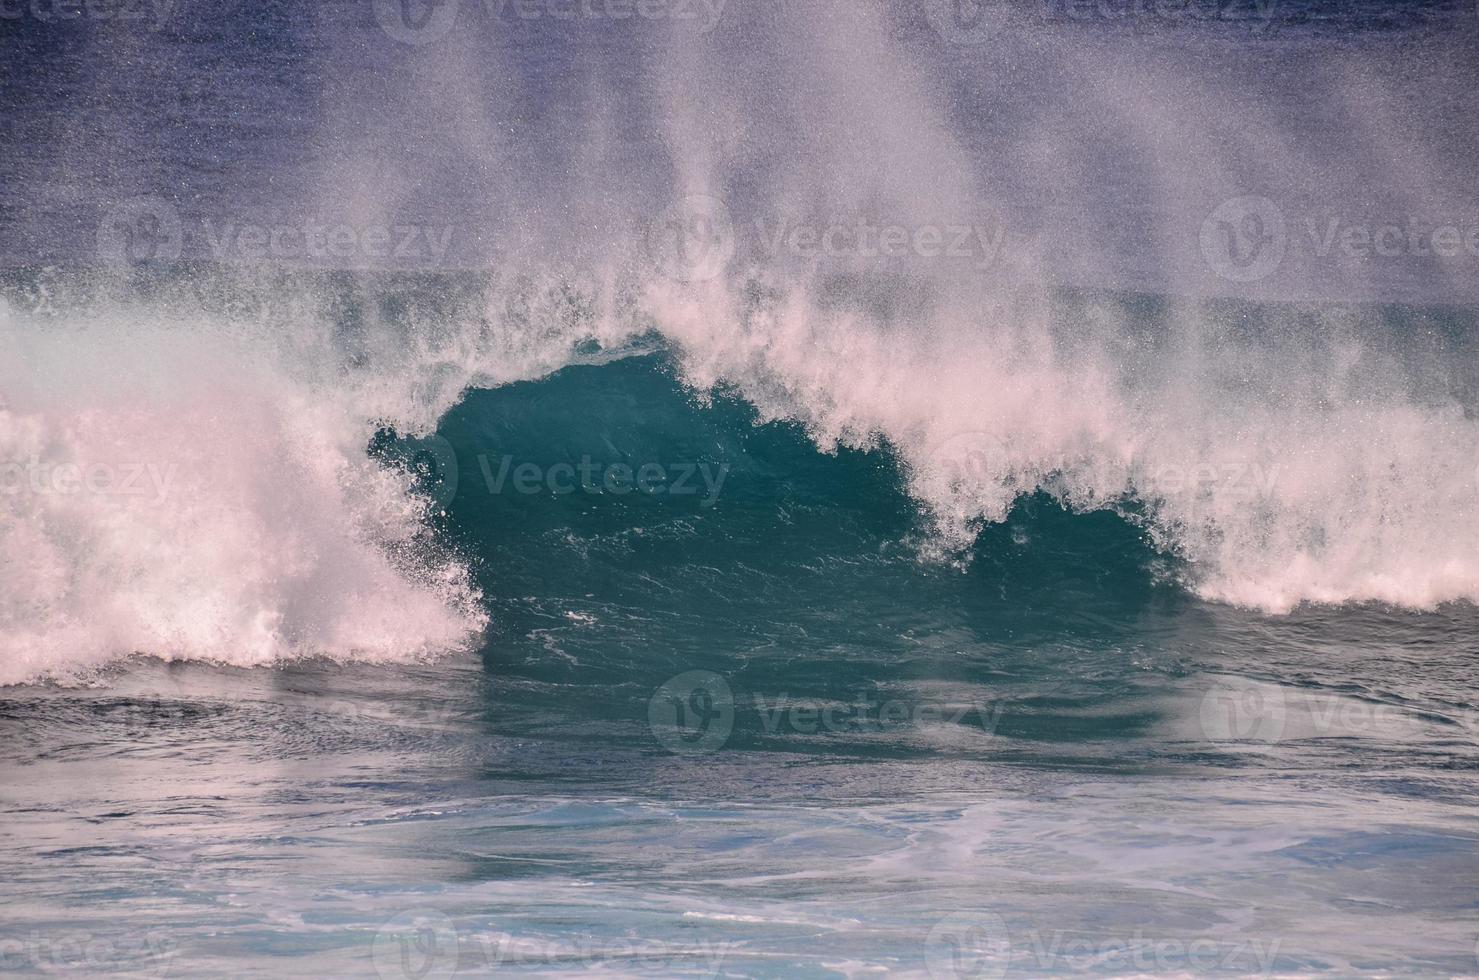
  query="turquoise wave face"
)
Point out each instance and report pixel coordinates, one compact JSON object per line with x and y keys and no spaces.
{"x":613,"y":482}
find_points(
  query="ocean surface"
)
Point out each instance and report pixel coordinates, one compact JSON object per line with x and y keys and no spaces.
{"x":739,"y":489}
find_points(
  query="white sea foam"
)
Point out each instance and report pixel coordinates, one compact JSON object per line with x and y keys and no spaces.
{"x":171,"y":493}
